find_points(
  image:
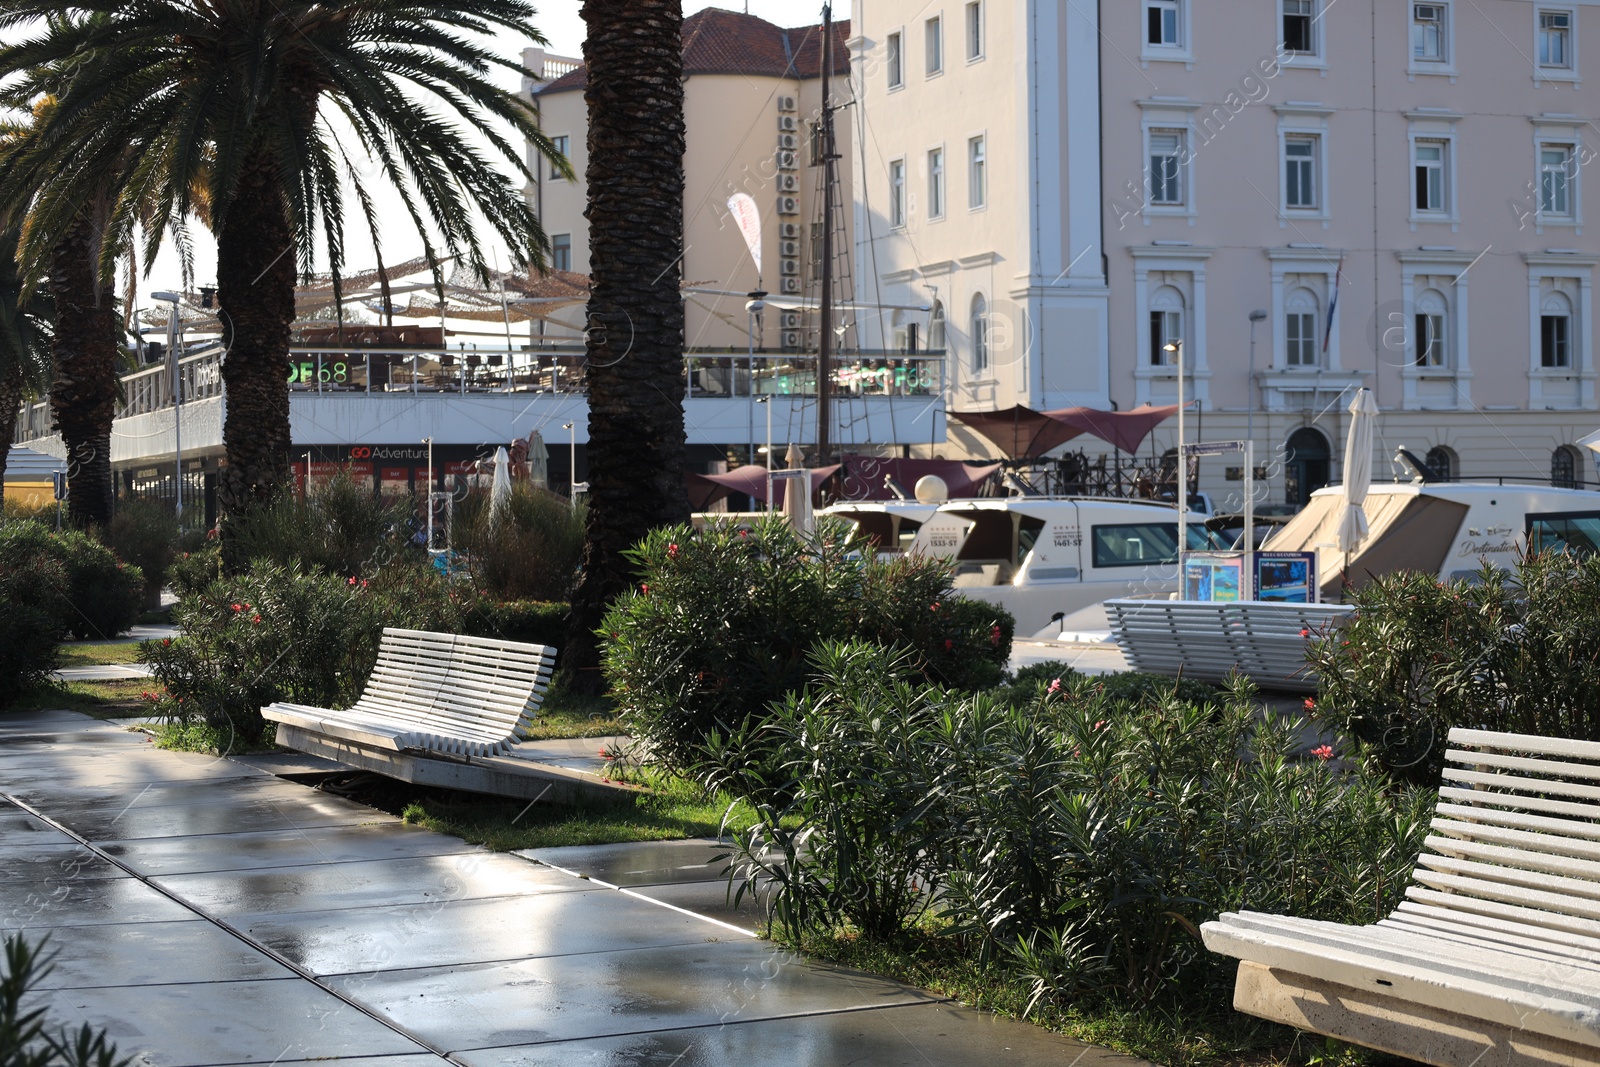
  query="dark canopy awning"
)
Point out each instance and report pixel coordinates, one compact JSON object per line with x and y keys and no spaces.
{"x":751,"y":480}
{"x":1019,"y":432}
{"x":864,"y":476}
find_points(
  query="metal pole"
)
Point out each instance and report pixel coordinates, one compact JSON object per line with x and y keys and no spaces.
{"x":429,"y":442}
{"x":825,"y":318}
{"x":1183,"y":471}
{"x":1250,"y":592}
{"x":177,"y":412}
{"x":572,"y":463}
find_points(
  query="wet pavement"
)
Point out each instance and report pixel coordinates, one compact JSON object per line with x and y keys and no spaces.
{"x":207,"y":913}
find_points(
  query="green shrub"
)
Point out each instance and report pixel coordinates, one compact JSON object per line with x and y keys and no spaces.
{"x":33,"y":604}
{"x":725,"y":618}
{"x":285,"y":633}
{"x":533,"y":621}
{"x":1079,"y":842}
{"x":195,"y":569}
{"x":102,"y":595}
{"x":1031,"y":682}
{"x":145,"y":533}
{"x":532,"y":551}
{"x":25,"y":1037}
{"x":341,"y":527}
{"x":1518,"y":652}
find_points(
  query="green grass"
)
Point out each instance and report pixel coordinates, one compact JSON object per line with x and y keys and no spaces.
{"x":98,"y":653}
{"x":566,"y":714}
{"x":117,"y":699}
{"x":1190,"y":1038}
{"x":199,"y":737}
{"x":677,"y":809}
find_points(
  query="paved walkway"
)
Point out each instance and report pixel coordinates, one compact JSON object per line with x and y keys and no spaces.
{"x":207,"y":913}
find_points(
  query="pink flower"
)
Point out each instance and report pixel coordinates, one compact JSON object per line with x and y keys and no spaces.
{"x":994,"y":635}
{"x":1310,"y":705}
{"x":645,"y":589}
{"x":1055,"y":686}
{"x":363,"y":583}
{"x":238,"y":607}
{"x":256,"y":620}
{"x":948,"y":644}
{"x":1305,"y":633}
{"x":1100,"y":724}
{"x":352,"y":581}
{"x":934,"y":606}
{"x":672,"y":551}
{"x":1323,"y":752}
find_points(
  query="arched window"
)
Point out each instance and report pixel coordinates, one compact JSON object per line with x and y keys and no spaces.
{"x":980,"y":333}
{"x":1166,"y":325}
{"x":936,"y":328}
{"x":1431,"y":338}
{"x":1555,"y":331}
{"x":1441,"y":464}
{"x":1564,"y":467}
{"x":1302,"y":340}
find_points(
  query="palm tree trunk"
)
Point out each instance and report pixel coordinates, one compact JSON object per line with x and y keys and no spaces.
{"x":255,"y":290}
{"x":636,"y":447}
{"x":12,"y":388}
{"x":83,"y":394}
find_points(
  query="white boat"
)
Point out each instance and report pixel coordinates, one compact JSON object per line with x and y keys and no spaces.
{"x":1446,"y":529}
{"x":1041,"y":558}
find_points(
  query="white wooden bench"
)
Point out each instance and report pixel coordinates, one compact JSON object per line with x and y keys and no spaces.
{"x":432,"y":693}
{"x":1494,"y":957}
{"x":1208,"y":640}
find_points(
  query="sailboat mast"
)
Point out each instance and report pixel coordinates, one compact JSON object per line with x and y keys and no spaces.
{"x":825,"y":318}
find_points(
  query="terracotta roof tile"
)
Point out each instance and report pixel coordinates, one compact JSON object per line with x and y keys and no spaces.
{"x":728,"y":42}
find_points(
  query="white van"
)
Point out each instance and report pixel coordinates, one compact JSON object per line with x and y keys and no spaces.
{"x":1446,"y":529}
{"x":1044,"y":557}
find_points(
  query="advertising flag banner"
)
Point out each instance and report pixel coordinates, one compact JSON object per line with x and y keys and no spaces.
{"x":748,"y":218}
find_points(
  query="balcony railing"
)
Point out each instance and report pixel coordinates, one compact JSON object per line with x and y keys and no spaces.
{"x":552,"y":370}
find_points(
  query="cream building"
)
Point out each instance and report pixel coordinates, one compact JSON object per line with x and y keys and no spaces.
{"x":752,"y":92}
{"x":1400,"y":187}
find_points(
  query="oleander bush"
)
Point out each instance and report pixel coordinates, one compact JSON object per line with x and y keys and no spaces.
{"x":146,"y":534}
{"x":1077,"y":843}
{"x":285,"y":632}
{"x":101,"y":596}
{"x":33,"y":603}
{"x":724,"y":620}
{"x":340,"y":527}
{"x":530,"y":551}
{"x":1516,"y":651}
{"x":27,"y":1038}
{"x":534,"y":621}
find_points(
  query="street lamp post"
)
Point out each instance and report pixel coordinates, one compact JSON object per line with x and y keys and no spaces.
{"x":177,"y":400}
{"x":1258,"y":315}
{"x":767,"y":400}
{"x":429,"y":442}
{"x":754,"y":306}
{"x":572,"y":462}
{"x":1175,"y":346}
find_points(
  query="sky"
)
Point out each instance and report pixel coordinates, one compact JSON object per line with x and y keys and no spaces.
{"x":562,"y":24}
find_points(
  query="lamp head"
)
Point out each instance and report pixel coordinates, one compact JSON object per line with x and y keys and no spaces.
{"x":168,"y":297}
{"x":1171,"y":346}
{"x":1258,"y":314}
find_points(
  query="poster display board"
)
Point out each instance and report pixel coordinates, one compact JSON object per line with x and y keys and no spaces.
{"x":1215,"y":576}
{"x":1287,"y":577}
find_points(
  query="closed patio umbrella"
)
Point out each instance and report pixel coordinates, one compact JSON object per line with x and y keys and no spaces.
{"x":1357,"y":471}
{"x":500,"y":488}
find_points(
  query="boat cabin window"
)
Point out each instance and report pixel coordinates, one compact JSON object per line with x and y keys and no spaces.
{"x":1000,"y":535}
{"x":1140,"y":544}
{"x":1577,"y":532}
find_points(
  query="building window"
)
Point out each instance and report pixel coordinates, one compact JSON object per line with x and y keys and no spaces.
{"x":1430,"y":162}
{"x":977,"y":173}
{"x":1431,"y":338}
{"x":559,"y":143}
{"x":1301,"y":312}
{"x":933,"y":43}
{"x":1555,"y":40}
{"x":975,"y":30}
{"x":1564,"y":468}
{"x":893,"y":61}
{"x":1555,"y":180}
{"x":1299,"y":27}
{"x":1163,"y":24}
{"x":1300,"y":172}
{"x":1166,"y":167}
{"x":936,"y":183}
{"x":897,"y":192}
{"x":1166,"y":325}
{"x":980,"y":334}
{"x":561,"y":251}
{"x":1430,"y":33}
{"x":1555,"y":332}
{"x":1441,"y":464}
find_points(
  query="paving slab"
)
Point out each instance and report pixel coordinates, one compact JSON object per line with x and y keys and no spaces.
{"x":608,"y":993}
{"x":185,"y":952}
{"x":229,"y":1022}
{"x":202,"y":808}
{"x":640,"y":863}
{"x":270,"y":849}
{"x":48,"y":863}
{"x":102,"y":672}
{"x":709,"y":899}
{"x":374,"y":883}
{"x":923,"y":1035}
{"x":87,"y":902}
{"x":460,"y":932}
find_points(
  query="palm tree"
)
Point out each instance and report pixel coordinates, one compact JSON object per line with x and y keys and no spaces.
{"x":271,"y":106}
{"x":636,"y":450}
{"x":24,"y":345}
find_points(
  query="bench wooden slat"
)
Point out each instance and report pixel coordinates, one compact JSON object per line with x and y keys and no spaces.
{"x":1509,"y":856}
{"x":1542,"y":824}
{"x":1497,"y":927}
{"x":1531,"y":744}
{"x":1517,"y":801}
{"x":1546,"y":843}
{"x":1510,"y":783}
{"x":1534,"y":764}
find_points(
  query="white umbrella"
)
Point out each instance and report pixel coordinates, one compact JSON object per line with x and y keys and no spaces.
{"x":500,"y":490}
{"x":538,"y":460}
{"x":797,"y":500}
{"x":1357,"y":470}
